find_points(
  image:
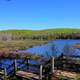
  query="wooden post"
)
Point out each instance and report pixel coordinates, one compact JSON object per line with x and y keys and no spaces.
{"x":15,"y":65}
{"x":0,"y":63}
{"x":27,"y":65}
{"x":5,"y":74}
{"x":52,"y":77}
{"x":40,"y":76}
{"x":52,"y":65}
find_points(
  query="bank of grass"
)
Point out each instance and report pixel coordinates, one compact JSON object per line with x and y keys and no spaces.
{"x":19,"y":44}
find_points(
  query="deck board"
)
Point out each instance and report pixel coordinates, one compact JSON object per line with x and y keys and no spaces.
{"x":1,"y":72}
{"x":24,"y":74}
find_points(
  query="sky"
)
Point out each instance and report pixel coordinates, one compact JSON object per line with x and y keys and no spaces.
{"x":39,"y":14}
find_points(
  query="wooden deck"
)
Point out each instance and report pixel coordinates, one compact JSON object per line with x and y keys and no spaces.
{"x":27,"y":75}
{"x":66,"y":74}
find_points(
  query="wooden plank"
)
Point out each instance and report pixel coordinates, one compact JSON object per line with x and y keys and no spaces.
{"x":26,"y":75}
{"x":1,"y":72}
{"x":66,"y":74}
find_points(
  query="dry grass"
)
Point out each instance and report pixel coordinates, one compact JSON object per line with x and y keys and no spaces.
{"x":6,"y":46}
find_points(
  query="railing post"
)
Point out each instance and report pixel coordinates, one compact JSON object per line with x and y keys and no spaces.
{"x":40,"y":76}
{"x":52,"y":61}
{"x":52,"y":65}
{"x":27,"y":65}
{"x":15,"y":65}
{"x":5,"y":74}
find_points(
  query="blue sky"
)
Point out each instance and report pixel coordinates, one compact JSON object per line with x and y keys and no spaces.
{"x":39,"y":14}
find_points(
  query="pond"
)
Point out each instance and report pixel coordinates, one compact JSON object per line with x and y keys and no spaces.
{"x":59,"y":45}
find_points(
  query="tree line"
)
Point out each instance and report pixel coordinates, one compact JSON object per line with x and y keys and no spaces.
{"x":46,"y":36}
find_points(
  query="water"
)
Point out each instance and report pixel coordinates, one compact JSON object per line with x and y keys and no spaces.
{"x":47,"y":50}
{"x":59,"y":44}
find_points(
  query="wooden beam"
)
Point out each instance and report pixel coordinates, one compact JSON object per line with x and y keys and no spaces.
{"x":15,"y":65}
{"x":52,"y":65}
{"x":27,"y":75}
{"x":40,"y":77}
{"x":27,"y":65}
{"x":5,"y":74}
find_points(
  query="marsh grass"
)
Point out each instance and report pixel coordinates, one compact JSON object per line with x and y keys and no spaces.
{"x":6,"y":46}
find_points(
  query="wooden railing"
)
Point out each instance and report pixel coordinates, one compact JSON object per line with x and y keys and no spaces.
{"x":41,"y":70}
